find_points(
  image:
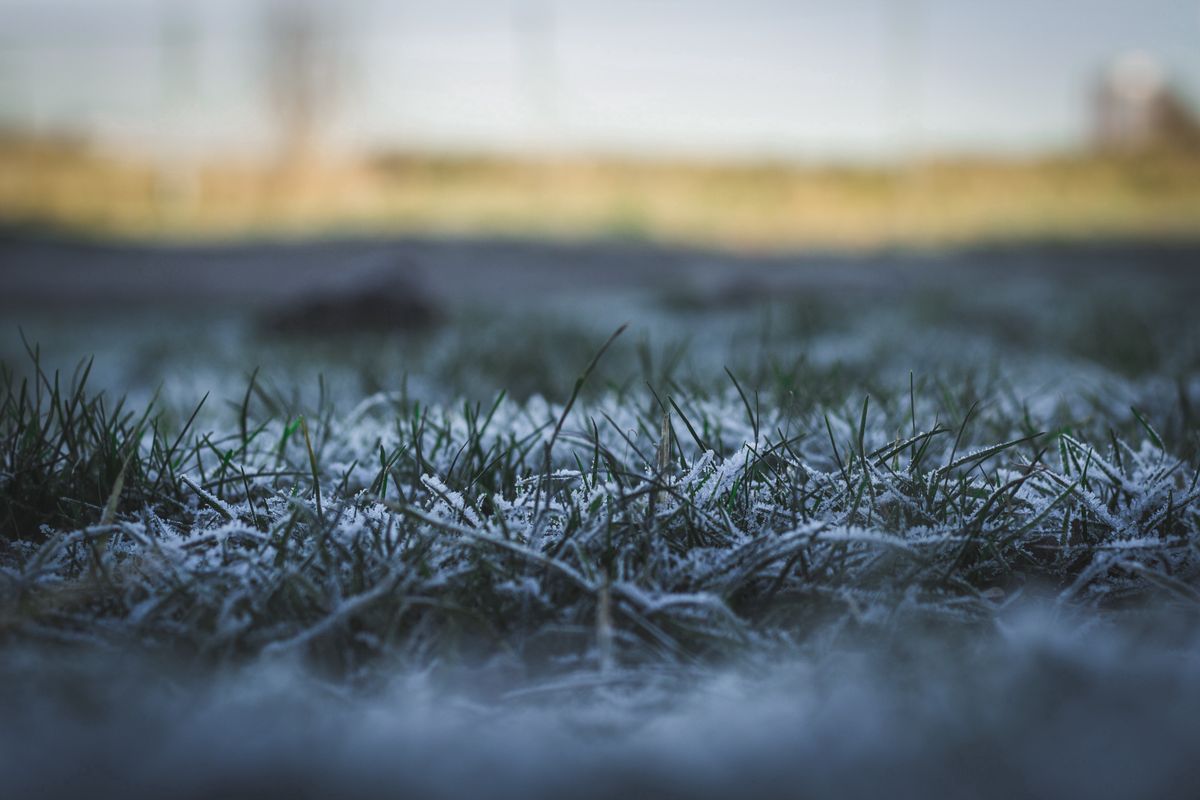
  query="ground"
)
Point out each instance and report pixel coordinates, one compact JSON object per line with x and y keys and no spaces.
{"x":432,"y":516}
{"x":1073,"y":196}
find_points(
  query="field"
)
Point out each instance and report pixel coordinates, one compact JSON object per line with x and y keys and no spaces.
{"x":760,"y":205}
{"x":442,"y":516}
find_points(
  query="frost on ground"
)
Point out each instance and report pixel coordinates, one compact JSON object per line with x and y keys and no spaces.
{"x":921,"y":543}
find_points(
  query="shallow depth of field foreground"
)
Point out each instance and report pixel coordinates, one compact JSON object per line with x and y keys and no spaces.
{"x":469,"y":518}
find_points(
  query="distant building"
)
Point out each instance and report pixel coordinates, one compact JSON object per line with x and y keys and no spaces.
{"x":1137,"y":109}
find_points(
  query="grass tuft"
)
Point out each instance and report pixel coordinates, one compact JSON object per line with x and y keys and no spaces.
{"x":424,"y":530}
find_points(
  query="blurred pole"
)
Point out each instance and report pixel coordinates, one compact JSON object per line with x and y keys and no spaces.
{"x":14,"y":98}
{"x":300,"y":80}
{"x":904,"y":26}
{"x":178,"y":49}
{"x":534,"y":33}
{"x":905,"y":44}
{"x":176,"y":180}
{"x":10,"y":101}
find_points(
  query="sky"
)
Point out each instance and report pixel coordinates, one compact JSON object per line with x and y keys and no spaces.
{"x":855,"y":79}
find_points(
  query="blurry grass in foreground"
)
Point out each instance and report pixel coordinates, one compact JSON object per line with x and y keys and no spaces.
{"x":67,"y":185}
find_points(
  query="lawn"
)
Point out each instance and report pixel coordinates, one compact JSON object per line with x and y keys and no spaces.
{"x":794,"y":525}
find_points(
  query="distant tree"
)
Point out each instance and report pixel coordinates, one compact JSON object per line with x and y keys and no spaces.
{"x":1137,"y":109}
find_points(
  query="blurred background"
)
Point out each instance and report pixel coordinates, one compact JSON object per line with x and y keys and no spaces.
{"x":756,"y":125}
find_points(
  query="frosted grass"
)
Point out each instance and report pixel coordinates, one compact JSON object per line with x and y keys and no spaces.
{"x":893,"y":550}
